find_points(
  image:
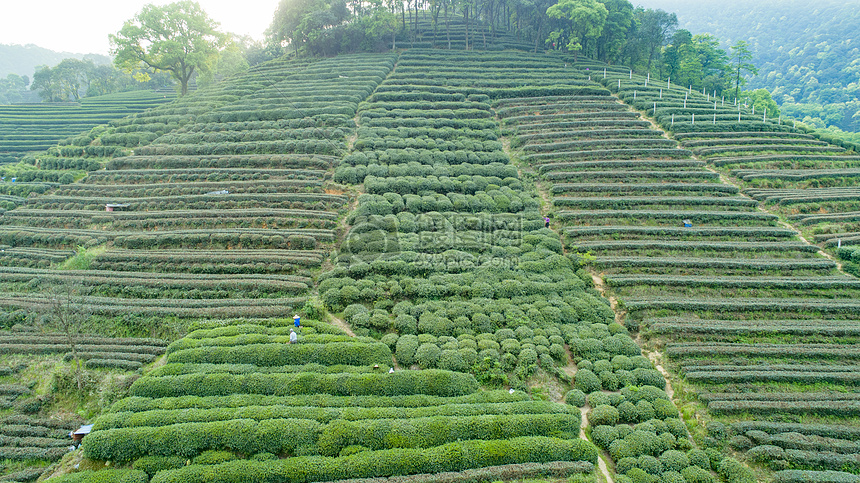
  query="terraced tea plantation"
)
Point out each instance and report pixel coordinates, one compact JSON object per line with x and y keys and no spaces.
{"x":36,"y":127}
{"x":397,"y":203}
{"x":759,"y":324}
{"x":29,"y":442}
{"x":203,"y":204}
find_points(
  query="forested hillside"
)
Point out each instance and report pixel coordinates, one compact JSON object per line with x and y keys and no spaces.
{"x":807,"y":54}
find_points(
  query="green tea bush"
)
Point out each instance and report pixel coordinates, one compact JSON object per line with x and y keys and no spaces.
{"x":367,"y":464}
{"x":153,"y":464}
{"x":104,"y":476}
{"x":429,"y":382}
{"x":436,"y":431}
{"x":603,"y":415}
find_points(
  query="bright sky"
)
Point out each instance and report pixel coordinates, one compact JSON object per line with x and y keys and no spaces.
{"x":83,"y":26}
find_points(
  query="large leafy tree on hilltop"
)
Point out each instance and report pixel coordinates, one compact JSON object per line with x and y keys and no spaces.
{"x":179,"y":38}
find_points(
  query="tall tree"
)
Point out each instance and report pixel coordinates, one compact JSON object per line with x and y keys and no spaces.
{"x":655,"y":29}
{"x":741,"y":57}
{"x":179,"y":38}
{"x":614,"y":36}
{"x":678,"y":59}
{"x":715,"y":69}
{"x":73,"y":77}
{"x":585,"y":21}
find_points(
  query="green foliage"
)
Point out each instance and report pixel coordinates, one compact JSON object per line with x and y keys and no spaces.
{"x":153,"y":464}
{"x":450,"y":457}
{"x":104,"y":476}
{"x":429,"y":382}
{"x":180,"y":37}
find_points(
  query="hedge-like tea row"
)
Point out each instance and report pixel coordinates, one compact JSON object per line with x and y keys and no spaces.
{"x":766,"y":147}
{"x":235,"y":237}
{"x":163,"y":417}
{"x":638,"y":202}
{"x":696,"y":216}
{"x":321,"y":333}
{"x":556,"y":469}
{"x":631,"y":175}
{"x":748,"y":304}
{"x":736,"y":374}
{"x":777,"y":247}
{"x":283,"y":353}
{"x":847,"y":351}
{"x":318,"y":201}
{"x":642,"y":187}
{"x":429,"y":382}
{"x":379,"y":434}
{"x":139,"y":403}
{"x":555,"y":108}
{"x":428,"y":132}
{"x":260,"y":283}
{"x":24,"y":453}
{"x":733,"y":232}
{"x":626,"y":163}
{"x":796,"y":161}
{"x":596,"y":114}
{"x":483,"y":174}
{"x":198,"y":188}
{"x":721,"y":263}
{"x":837,"y":408}
{"x":178,"y":369}
{"x":824,"y":430}
{"x":208,"y":261}
{"x":305,"y":146}
{"x":104,"y":476}
{"x":149,"y":176}
{"x":735,"y":134}
{"x":766,"y":143}
{"x":198,"y":134}
{"x":246,"y":161}
{"x":392,"y":142}
{"x":423,"y":156}
{"x":420,"y":185}
{"x":620,"y":153}
{"x":213,"y":308}
{"x":808,"y":476}
{"x":43,"y":348}
{"x":736,"y":282}
{"x":450,"y":457}
{"x":125,"y":356}
{"x":251,"y":218}
{"x":828,"y":327}
{"x":795,"y":175}
{"x":590,"y":144}
{"x":247,"y":436}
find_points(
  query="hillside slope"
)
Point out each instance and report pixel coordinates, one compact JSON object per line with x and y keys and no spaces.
{"x":403,"y":196}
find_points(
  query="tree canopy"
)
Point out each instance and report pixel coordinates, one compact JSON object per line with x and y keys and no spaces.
{"x":72,"y":79}
{"x":584,"y":20}
{"x":179,"y":38}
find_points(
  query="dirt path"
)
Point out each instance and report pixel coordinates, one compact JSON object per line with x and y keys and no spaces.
{"x":342,"y":325}
{"x":655,"y":357}
{"x":613,"y":302}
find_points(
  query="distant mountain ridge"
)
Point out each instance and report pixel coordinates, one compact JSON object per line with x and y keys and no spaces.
{"x":23,"y":59}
